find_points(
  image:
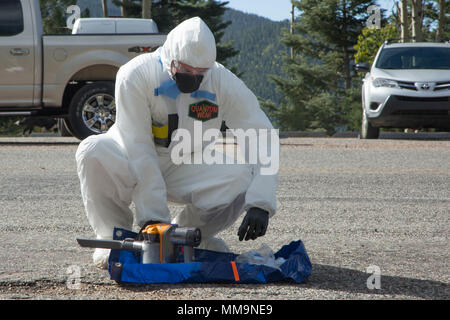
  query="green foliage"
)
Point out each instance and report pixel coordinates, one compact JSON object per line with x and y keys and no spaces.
{"x":319,"y":91}
{"x":430,"y":16}
{"x":316,"y":89}
{"x":370,"y":40}
{"x":212,"y":12}
{"x":54,"y":15}
{"x":272,"y":111}
{"x":352,"y":113}
{"x":8,"y":126}
{"x":168,"y":14}
{"x":260,"y":50}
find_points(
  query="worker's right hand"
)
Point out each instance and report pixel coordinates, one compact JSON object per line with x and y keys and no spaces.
{"x":140,"y":236}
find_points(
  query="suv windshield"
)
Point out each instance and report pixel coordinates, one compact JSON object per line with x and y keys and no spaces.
{"x":414,"y":58}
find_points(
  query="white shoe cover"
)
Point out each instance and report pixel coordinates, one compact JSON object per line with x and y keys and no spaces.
{"x":214,"y":244}
{"x":100,"y":258}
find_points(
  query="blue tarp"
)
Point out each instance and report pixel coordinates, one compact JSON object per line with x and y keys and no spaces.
{"x":209,"y":266}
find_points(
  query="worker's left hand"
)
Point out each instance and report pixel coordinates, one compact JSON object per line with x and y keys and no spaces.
{"x":254,"y":224}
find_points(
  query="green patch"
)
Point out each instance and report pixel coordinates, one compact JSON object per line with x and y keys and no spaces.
{"x":203,"y":110}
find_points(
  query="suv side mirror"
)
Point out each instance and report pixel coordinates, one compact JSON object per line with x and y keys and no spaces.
{"x":362,"y":67}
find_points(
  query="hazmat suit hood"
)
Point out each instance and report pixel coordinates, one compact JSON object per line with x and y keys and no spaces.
{"x":192,"y":43}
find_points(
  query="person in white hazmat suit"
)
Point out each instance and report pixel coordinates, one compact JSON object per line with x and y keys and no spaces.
{"x":156,"y":94}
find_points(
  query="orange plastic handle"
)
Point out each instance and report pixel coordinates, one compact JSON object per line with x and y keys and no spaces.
{"x":158,"y":228}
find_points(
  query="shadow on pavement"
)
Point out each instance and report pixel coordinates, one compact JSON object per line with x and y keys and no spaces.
{"x":331,"y":278}
{"x":326,"y":277}
{"x":20,"y":141}
{"x":415,"y":136}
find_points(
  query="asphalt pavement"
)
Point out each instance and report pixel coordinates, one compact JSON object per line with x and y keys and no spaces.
{"x":357,"y":205}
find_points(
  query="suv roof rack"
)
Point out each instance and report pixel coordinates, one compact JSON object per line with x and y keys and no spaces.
{"x":392,"y":40}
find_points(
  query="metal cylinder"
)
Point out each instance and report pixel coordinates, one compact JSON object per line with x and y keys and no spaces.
{"x":150,"y":252}
{"x":186,"y":236}
{"x":188,"y":253}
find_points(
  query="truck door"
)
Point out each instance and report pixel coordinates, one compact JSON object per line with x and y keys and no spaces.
{"x":16,"y":54}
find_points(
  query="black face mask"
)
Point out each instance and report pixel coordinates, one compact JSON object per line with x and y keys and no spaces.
{"x":186,"y":82}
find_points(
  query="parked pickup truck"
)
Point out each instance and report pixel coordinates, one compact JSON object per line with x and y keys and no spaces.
{"x":65,"y":76}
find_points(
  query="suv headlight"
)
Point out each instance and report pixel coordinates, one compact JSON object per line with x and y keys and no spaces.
{"x":381,"y":82}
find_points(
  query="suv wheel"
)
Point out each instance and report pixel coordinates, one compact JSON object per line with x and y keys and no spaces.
{"x":92,"y":109}
{"x":367,"y":130}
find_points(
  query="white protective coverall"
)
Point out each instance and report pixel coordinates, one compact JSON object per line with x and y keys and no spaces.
{"x":125,"y":164}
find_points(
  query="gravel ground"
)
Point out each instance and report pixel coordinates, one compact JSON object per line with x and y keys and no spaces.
{"x":353,"y":203}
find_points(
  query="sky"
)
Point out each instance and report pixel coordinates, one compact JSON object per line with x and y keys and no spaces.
{"x":278,"y":10}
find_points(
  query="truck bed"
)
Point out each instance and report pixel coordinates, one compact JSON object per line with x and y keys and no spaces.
{"x":69,"y":57}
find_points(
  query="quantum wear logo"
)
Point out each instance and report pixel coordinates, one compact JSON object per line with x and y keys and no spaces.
{"x":203,"y":110}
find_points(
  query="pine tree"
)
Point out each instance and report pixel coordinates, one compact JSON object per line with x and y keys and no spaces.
{"x":319,"y":73}
{"x":211,"y":12}
{"x":130,"y":8}
{"x":168,"y":14}
{"x":54,"y":15}
{"x":424,"y":20}
{"x":443,"y":20}
{"x":105,"y":8}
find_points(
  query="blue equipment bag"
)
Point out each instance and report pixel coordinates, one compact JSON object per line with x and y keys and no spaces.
{"x":209,"y":266}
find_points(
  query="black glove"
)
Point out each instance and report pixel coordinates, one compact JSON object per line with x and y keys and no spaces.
{"x":254,"y":224}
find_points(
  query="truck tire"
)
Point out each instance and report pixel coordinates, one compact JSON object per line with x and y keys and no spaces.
{"x":64,"y":128}
{"x":92,"y":109}
{"x":367,"y":130}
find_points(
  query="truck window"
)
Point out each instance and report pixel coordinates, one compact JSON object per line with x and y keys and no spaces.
{"x":11,"y":18}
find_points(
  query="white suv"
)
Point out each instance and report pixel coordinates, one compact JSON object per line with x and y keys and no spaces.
{"x":408,"y":86}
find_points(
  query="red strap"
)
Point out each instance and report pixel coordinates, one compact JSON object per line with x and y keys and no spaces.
{"x":235,"y":271}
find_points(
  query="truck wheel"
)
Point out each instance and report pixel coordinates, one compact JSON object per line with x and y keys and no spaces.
{"x":367,"y":130}
{"x":92,"y":109}
{"x":64,"y":128}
